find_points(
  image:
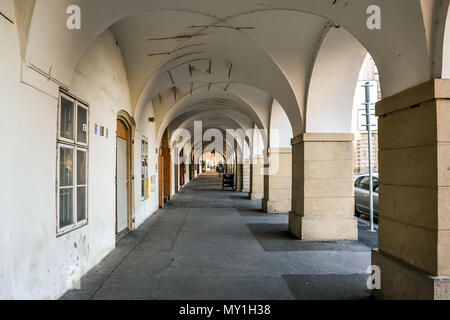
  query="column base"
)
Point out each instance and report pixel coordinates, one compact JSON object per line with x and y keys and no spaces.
{"x":323,"y":228}
{"x":401,"y":281}
{"x":256,"y":196}
{"x":278,"y":206}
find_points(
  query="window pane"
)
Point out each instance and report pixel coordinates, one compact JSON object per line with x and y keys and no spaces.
{"x":144,"y":149}
{"x":81,"y":203}
{"x":67,"y":118}
{"x":81,"y":167}
{"x":82,"y":125}
{"x":364,"y":184}
{"x":375,"y":183}
{"x":65,"y":207}
{"x":65,"y":167}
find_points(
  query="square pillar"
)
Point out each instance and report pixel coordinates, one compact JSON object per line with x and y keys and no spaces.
{"x":246,"y":176}
{"x":322,"y":187}
{"x":278,"y":181}
{"x":414,"y":207}
{"x":257,"y":177}
{"x":239,"y":176}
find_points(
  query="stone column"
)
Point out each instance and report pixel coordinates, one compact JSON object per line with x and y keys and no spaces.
{"x":322,"y":187}
{"x":414,"y":208}
{"x":257,"y":177}
{"x":246,"y":176}
{"x":176,"y":178}
{"x":278,"y":181}
{"x":239,"y":176}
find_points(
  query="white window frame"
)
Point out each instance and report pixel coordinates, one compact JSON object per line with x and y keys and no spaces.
{"x":84,"y":144}
{"x":76,"y":186}
{"x":62,"y":142}
{"x":144,"y":156}
{"x":59,"y":137}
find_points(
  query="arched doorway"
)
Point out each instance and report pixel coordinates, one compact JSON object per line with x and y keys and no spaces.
{"x":161,"y":179}
{"x":182,"y":169}
{"x":124,"y":174}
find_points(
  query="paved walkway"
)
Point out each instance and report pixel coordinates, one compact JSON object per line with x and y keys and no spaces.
{"x":209,"y":244}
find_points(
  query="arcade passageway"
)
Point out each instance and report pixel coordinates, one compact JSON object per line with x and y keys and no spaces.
{"x":114,"y":113}
{"x":211,"y":244}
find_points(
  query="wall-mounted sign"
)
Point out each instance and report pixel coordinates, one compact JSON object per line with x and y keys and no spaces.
{"x":153,"y":183}
{"x":102,"y":131}
{"x":360,"y":98}
{"x":147,"y":193}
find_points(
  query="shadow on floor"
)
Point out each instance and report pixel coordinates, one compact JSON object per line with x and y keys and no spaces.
{"x":276,"y":237}
{"x":239,"y":196}
{"x":328,"y":286}
{"x":258,"y":212}
{"x":367,"y":237}
{"x":208,"y":244}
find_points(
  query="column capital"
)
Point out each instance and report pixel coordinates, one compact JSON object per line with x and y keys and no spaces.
{"x":287,"y":150}
{"x":322,"y":137}
{"x":430,"y":90}
{"x":256,"y":156}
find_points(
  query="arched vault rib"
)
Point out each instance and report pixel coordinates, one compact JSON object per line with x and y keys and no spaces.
{"x":201,"y":101}
{"x":247,"y":63}
{"x":211,"y":120}
{"x":402,"y":35}
{"x":219,"y":120}
{"x":240,"y":121}
{"x":236,"y":149}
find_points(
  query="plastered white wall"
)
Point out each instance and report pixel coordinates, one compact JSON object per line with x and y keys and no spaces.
{"x":332,"y":85}
{"x":280,"y":127}
{"x":35,"y":263}
{"x":446,"y":49}
{"x":28,"y":265}
{"x":145,"y":130}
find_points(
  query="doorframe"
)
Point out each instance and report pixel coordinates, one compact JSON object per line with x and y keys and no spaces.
{"x":176,"y":172}
{"x":130,"y":124}
{"x":167,"y":172}
{"x":161,"y":178}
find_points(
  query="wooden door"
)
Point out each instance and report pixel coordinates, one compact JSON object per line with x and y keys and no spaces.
{"x":161,"y":180}
{"x":182,"y":174}
{"x":167,"y":165}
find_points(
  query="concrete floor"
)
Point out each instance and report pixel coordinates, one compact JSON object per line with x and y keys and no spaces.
{"x":209,"y":244}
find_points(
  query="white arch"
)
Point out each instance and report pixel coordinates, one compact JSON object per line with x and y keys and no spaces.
{"x":446,"y":47}
{"x":332,"y":86}
{"x":204,"y":100}
{"x":402,"y":36}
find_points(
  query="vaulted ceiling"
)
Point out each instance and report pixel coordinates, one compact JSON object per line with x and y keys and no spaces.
{"x":193,"y":56}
